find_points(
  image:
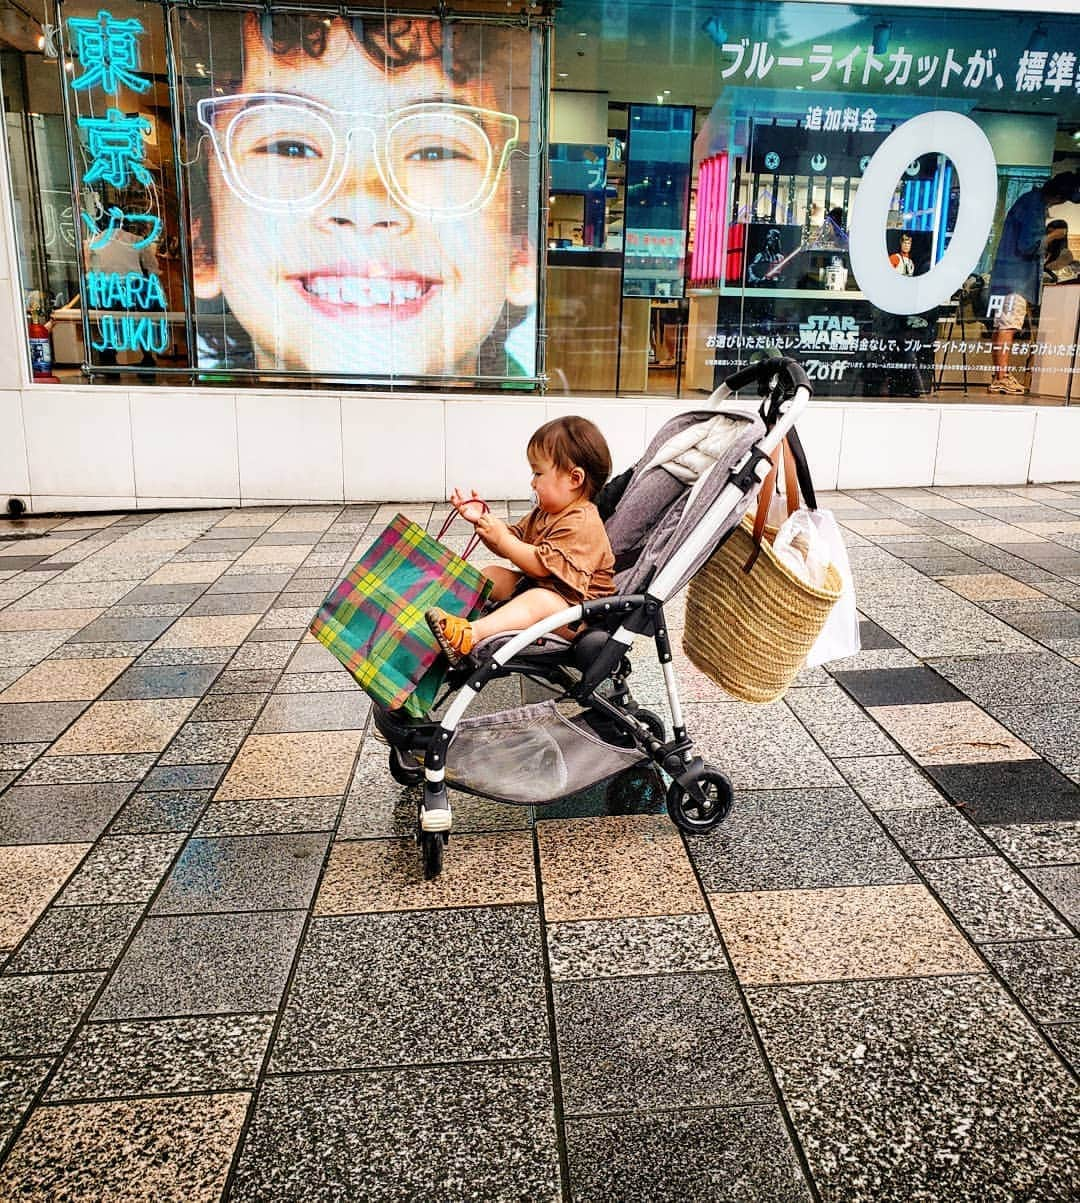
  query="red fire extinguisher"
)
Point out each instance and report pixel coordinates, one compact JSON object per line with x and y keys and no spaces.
{"x":40,"y":350}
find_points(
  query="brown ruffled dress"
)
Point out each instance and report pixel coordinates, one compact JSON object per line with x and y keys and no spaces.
{"x":573,"y":546}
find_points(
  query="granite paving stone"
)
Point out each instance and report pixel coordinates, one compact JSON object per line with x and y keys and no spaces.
{"x":160,"y":810}
{"x":387,"y":875}
{"x":19,"y":1083}
{"x":227,"y":707}
{"x":120,"y":649}
{"x":244,"y":582}
{"x":301,"y":765}
{"x":211,"y":604}
{"x":354,"y":1135}
{"x":76,"y":938}
{"x":1052,"y":730}
{"x":615,"y":867}
{"x":742,"y":1155}
{"x":63,"y":770}
{"x":950,"y":733}
{"x":184,"y":777}
{"x":135,"y":725}
{"x":1029,"y":679}
{"x":203,"y":965}
{"x":1045,"y":974}
{"x":1065,"y":1038}
{"x":791,"y":839}
{"x":136,"y":1150}
{"x":314,"y":658}
{"x":852,"y":932}
{"x":65,"y":681}
{"x":366,"y":987}
{"x":853,"y":1057}
{"x":243,"y":873}
{"x":46,"y":620}
{"x":178,"y":594}
{"x":931,"y":834}
{"x":30,"y":876}
{"x":333,"y":711}
{"x":163,"y":681}
{"x":219,"y":630}
{"x":990,"y":900}
{"x":256,"y":655}
{"x":122,"y":868}
{"x":837,"y":724}
{"x":56,"y":814}
{"x":633,"y":947}
{"x":206,"y":743}
{"x":20,"y":756}
{"x":1033,"y":844}
{"x":1026,"y":790}
{"x":268,"y":815}
{"x":1060,"y":885}
{"x":988,"y":586}
{"x":628,"y":1043}
{"x":107,"y":630}
{"x":163,"y":1056}
{"x":897,"y":687}
{"x":196,"y":572}
{"x":38,"y":1012}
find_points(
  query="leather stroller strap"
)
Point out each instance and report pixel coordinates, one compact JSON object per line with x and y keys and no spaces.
{"x":768,"y":489}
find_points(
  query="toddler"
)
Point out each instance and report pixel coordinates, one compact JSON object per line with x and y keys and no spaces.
{"x":560,"y":550}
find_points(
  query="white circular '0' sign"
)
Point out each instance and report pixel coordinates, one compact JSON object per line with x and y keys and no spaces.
{"x":967,"y":146}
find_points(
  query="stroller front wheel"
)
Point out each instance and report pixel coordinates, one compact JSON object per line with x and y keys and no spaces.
{"x":432,"y":843}
{"x":697,"y":815}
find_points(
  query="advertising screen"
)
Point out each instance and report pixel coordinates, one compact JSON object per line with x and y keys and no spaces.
{"x":362,"y":194}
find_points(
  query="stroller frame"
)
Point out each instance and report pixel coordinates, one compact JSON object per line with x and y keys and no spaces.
{"x":700,"y":795}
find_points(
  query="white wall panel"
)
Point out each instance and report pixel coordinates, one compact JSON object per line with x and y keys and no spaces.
{"x":985,"y":445}
{"x":290,"y":445}
{"x":393,"y":448}
{"x":820,"y":431}
{"x":485,"y":445}
{"x":1055,"y":455}
{"x":885,"y":445}
{"x":79,"y":441}
{"x":14,"y":474}
{"x":185,"y":444}
{"x":71,"y":503}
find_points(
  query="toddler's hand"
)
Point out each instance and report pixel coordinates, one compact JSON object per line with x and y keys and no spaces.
{"x":470,"y":508}
{"x":493,"y":532}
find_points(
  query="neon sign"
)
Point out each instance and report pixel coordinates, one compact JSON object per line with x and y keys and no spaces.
{"x":108,"y":52}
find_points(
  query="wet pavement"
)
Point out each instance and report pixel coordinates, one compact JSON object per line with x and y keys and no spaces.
{"x":222,"y":974}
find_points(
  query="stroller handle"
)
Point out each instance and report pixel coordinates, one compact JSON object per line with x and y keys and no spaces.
{"x":764,"y":369}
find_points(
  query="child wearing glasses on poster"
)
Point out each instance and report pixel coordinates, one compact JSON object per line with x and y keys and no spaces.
{"x":356,"y":202}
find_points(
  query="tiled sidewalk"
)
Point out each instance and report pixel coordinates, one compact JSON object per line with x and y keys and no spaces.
{"x":223,"y":974}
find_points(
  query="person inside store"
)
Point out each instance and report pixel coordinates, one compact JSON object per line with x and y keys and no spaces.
{"x":361,"y":210}
{"x":1016,"y":278}
{"x":764,"y":268}
{"x":901,"y":259}
{"x":1060,"y":265}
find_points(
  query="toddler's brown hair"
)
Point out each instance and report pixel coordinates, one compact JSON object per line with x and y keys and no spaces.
{"x":574,"y":442}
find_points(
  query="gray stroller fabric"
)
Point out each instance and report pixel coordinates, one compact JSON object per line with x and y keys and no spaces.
{"x":533,"y":754}
{"x":657,"y":511}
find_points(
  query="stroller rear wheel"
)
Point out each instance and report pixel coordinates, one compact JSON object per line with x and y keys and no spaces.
{"x":405,"y":768}
{"x":432,"y":844}
{"x":652,"y":721}
{"x":696,"y":815}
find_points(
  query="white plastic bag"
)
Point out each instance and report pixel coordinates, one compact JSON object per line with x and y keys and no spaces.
{"x":840,"y":635}
{"x":800,"y":547}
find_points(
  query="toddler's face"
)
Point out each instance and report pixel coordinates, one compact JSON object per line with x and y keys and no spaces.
{"x":360,"y":284}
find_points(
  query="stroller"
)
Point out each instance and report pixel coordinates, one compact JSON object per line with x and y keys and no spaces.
{"x":662,"y":530}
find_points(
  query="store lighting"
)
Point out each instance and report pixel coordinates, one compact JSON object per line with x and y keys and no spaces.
{"x":564,"y":74}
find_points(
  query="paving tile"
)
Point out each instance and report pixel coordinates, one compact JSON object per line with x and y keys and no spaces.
{"x":19,"y":1083}
{"x":1058,"y":624}
{"x":759,"y":747}
{"x":76,"y":938}
{"x":1060,"y":885}
{"x":196,"y":572}
{"x":67,"y":594}
{"x":30,"y":876}
{"x":163,"y":681}
{"x":949,"y":733}
{"x":63,"y":770}
{"x":278,"y":557}
{"x":164,"y":594}
{"x":20,"y":756}
{"x":855,"y":932}
{"x":157,"y":657}
{"x":160,"y":810}
{"x":615,"y":867}
{"x":930,"y":834}
{"x":855,"y":1057}
{"x":184,"y":776}
{"x":46,"y":620}
{"x":227,"y":707}
{"x":269,"y":815}
{"x":203,"y":965}
{"x":59,"y":814}
{"x":1031,"y":679}
{"x":387,"y":875}
{"x":673,"y":1157}
{"x":335,"y":711}
{"x":1045,"y":974}
{"x":142,"y":1149}
{"x":1038,"y":843}
{"x":1022,"y":791}
{"x":65,"y":680}
{"x":889,"y":782}
{"x":990,"y":900}
{"x":122,"y":868}
{"x":106,"y":630}
{"x":633,"y":947}
{"x":36,"y":721}
{"x":206,"y":743}
{"x":231,"y":603}
{"x":366,"y":986}
{"x":313,"y":658}
{"x":242,"y":582}
{"x":630,"y":1043}
{"x":1052,"y":730}
{"x":1066,"y":1039}
{"x":235,"y":682}
{"x":838,"y":726}
{"x":293,"y":765}
{"x":354,"y":1136}
{"x":163,"y":1056}
{"x":145,"y":611}
{"x":38,"y":1012}
{"x":898,"y":687}
{"x":988,"y":586}
{"x":221,"y":630}
{"x":791,"y":839}
{"x":243,"y":873}
{"x":141,"y":725}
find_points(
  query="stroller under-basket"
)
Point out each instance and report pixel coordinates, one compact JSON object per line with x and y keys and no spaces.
{"x":662,"y":530}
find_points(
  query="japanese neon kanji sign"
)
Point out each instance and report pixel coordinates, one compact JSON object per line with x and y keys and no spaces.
{"x":108,"y":52}
{"x":115,"y":144}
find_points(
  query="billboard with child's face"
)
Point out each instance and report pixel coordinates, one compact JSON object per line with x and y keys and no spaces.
{"x":363,"y":196}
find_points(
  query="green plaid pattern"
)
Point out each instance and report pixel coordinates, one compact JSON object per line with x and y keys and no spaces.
{"x":373,"y":621}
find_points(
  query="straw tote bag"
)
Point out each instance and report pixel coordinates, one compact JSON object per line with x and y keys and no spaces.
{"x":750,"y":621}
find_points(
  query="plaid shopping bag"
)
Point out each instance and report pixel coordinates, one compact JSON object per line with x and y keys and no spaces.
{"x":373,"y":621}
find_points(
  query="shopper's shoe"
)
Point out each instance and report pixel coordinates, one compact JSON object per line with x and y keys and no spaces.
{"x":1007,"y":384}
{"x":453,"y":634}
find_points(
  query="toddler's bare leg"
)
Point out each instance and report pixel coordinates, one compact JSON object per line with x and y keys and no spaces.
{"x":505,"y":581}
{"x":520,"y":612}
